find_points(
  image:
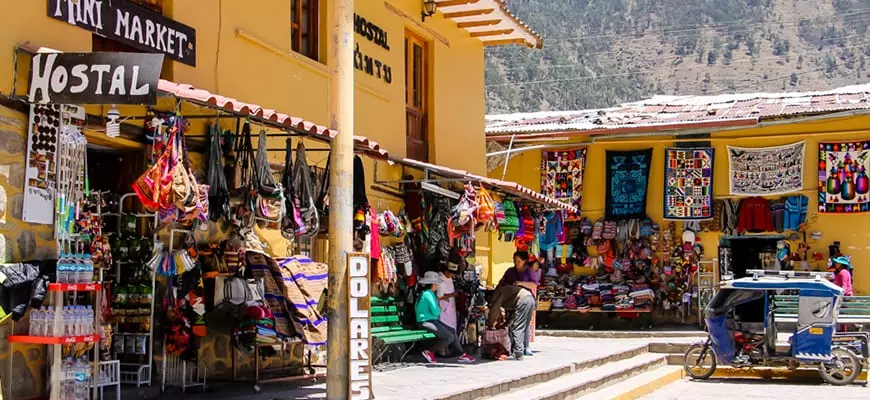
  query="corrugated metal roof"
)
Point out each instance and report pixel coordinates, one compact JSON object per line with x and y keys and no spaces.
{"x":682,"y":112}
{"x":505,"y":187}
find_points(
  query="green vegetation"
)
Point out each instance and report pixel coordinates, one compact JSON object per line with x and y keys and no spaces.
{"x":599,"y":53}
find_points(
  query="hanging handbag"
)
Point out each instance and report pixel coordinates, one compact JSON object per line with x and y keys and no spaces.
{"x":235,"y":291}
{"x":218,"y":193}
{"x":322,"y":201}
{"x":270,"y":195}
{"x":292,"y":219}
{"x":305,"y":195}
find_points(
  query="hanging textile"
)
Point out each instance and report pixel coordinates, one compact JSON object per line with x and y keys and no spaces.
{"x":304,"y":283}
{"x":562,"y":175}
{"x":270,"y":194}
{"x":627,"y":178}
{"x":688,"y":183}
{"x":264,"y":268}
{"x":844,"y":186}
{"x":766,"y":171}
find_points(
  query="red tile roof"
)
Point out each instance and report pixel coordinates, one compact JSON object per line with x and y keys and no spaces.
{"x":206,"y":98}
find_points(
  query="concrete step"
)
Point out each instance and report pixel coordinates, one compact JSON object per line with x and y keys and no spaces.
{"x":586,"y":381}
{"x":546,"y":376}
{"x":621,"y":334}
{"x":638,"y":386}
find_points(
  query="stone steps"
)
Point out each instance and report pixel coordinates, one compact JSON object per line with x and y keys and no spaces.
{"x":586,"y":381}
{"x":638,"y":386}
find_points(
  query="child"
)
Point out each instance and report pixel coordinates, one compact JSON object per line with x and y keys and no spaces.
{"x":428,"y":311}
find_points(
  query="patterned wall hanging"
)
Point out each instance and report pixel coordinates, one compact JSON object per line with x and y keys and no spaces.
{"x":562,"y":175}
{"x":766,"y":171}
{"x":627,"y":179}
{"x":844,"y":186}
{"x":688,"y":183}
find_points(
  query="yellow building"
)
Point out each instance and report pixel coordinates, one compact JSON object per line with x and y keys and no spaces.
{"x":419,"y":84}
{"x":742,"y":120}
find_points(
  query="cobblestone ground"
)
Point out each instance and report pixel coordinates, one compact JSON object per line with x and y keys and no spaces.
{"x":732,"y":389}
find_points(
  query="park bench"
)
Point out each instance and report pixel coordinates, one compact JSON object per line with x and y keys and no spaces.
{"x":855,"y":310}
{"x":387,"y":327}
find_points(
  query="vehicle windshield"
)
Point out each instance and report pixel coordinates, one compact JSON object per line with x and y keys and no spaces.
{"x":727,"y":299}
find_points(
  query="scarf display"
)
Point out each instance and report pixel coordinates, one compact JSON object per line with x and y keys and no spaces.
{"x":688,"y":183}
{"x":627,"y":179}
{"x":844,"y":186}
{"x":766,"y":171}
{"x":562,"y":175}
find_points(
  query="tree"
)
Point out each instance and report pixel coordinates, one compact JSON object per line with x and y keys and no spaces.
{"x":794,"y":79}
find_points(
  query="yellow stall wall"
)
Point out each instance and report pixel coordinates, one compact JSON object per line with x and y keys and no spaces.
{"x":852,"y":231}
{"x":243,"y":52}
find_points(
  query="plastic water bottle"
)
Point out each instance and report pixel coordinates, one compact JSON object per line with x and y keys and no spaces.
{"x":48,"y":321}
{"x":36,"y":318}
{"x":81,"y":387}
{"x":61,"y":268}
{"x":67,"y":376}
{"x":90,"y":320}
{"x":89,"y":269}
{"x":78,"y":270}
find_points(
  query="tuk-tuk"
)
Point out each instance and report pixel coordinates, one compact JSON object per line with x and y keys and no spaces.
{"x":742,"y":330}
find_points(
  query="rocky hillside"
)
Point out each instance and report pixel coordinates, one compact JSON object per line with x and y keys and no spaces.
{"x":598,"y":53}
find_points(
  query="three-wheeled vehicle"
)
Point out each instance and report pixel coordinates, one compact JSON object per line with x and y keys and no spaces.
{"x":742,"y":330}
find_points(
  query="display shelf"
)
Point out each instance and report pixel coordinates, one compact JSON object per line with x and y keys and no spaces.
{"x":53,"y":339}
{"x":74,"y":287}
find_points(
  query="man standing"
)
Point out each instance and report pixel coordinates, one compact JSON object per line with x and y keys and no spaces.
{"x":522,"y":302}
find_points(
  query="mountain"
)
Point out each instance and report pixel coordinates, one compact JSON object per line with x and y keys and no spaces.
{"x":599,"y":53}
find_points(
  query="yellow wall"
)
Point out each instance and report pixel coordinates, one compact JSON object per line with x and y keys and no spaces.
{"x":243,"y":51}
{"x":848,"y":229}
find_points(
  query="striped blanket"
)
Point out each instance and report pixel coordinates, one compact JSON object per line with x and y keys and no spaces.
{"x":265,"y":268}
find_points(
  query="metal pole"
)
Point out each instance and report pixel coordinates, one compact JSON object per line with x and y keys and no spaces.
{"x":341,"y":95}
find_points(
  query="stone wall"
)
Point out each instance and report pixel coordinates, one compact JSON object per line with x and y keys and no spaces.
{"x":19,"y":241}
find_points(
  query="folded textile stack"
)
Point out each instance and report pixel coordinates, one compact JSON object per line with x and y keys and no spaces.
{"x":642,"y":297}
{"x":624,"y":302}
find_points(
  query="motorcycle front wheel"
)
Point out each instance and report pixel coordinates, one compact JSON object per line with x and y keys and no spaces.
{"x":699,"y":361}
{"x":843,"y":368}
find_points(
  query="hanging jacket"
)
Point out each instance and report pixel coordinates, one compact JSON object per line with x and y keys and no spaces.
{"x":24,"y":284}
{"x":755,"y":216}
{"x":795,"y":212}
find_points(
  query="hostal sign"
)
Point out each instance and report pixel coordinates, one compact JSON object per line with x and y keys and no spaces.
{"x":359,"y":291}
{"x":94,"y":78}
{"x":366,"y":63}
{"x":130,"y":24}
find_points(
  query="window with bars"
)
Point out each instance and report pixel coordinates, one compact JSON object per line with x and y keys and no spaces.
{"x":305,"y":27}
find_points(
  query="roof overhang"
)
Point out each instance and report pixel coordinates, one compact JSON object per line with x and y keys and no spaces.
{"x":491,"y":22}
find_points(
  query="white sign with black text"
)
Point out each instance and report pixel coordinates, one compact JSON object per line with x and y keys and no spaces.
{"x":359,"y":292}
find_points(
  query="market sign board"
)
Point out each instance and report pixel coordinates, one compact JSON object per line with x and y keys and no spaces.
{"x":94,"y":78}
{"x":130,"y":24}
{"x":359,"y":292}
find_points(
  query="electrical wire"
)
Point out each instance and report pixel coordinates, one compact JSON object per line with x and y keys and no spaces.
{"x":643,"y":72}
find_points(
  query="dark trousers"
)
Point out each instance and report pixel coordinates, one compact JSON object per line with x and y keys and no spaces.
{"x":446,"y":337}
{"x":519,"y":329}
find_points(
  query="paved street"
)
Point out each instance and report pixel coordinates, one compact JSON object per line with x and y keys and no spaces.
{"x":757,"y":389}
{"x":427,"y":381}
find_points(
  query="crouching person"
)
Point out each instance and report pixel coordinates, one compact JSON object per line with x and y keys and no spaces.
{"x":521,"y":301}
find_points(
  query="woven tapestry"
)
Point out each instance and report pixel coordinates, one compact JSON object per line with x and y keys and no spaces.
{"x":627,"y":179}
{"x":688,"y":183}
{"x":766,"y":171}
{"x":562,"y":175}
{"x":844,"y":186}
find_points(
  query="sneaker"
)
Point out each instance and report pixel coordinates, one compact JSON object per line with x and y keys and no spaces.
{"x":466,"y":359}
{"x":430,"y":357}
{"x":518,"y":357}
{"x":528,"y":353}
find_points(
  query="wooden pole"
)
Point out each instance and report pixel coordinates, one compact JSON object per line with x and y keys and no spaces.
{"x":341,"y":95}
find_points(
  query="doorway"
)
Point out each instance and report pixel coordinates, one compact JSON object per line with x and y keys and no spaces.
{"x":746,"y":253}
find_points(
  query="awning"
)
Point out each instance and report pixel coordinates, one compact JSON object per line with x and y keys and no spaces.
{"x":255,"y":112}
{"x":262,"y":115}
{"x":503,"y":187}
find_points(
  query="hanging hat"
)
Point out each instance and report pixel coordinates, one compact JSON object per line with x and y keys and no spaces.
{"x":431,"y":277}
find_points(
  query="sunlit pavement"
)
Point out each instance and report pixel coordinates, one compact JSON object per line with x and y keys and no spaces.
{"x":757,"y":389}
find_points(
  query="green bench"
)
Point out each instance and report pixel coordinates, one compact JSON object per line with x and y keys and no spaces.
{"x":854,"y":310}
{"x":387,"y":327}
